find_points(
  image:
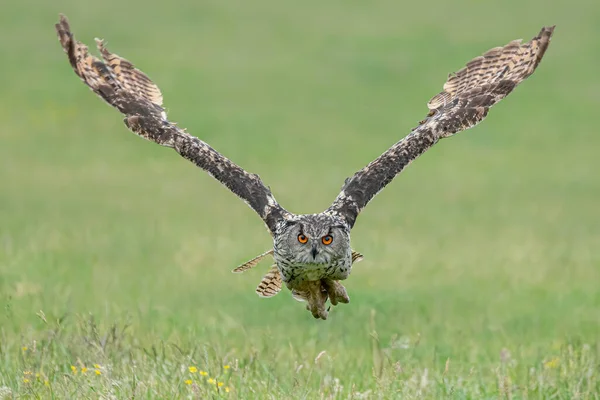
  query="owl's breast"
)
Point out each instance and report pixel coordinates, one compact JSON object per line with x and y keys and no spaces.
{"x":314,"y":272}
{"x":296,"y":273}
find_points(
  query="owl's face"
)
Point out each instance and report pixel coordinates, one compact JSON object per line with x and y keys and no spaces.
{"x":313,"y":239}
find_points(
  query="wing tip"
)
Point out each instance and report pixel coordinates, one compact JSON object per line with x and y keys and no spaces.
{"x":547,"y":30}
{"x":63,"y":20}
{"x":543,"y":38}
{"x":63,"y":30}
{"x":67,"y":39}
{"x":546,"y":33}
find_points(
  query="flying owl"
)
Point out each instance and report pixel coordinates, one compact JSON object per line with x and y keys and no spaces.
{"x":311,"y":252}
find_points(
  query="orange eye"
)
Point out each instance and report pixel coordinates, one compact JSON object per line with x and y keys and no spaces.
{"x":302,"y":239}
{"x":327,"y":239}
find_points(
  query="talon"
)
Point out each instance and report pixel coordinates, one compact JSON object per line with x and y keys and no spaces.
{"x":333,"y":300}
{"x":336,"y":291}
{"x":323,"y":314}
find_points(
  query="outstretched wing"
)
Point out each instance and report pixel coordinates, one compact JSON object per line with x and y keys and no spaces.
{"x":131,"y":92}
{"x":465,"y":101}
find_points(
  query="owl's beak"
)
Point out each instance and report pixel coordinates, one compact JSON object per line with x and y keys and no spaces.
{"x":314,"y":252}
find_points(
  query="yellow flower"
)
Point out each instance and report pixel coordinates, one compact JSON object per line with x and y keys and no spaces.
{"x":552,"y":363}
{"x":203,"y":373}
{"x":83,"y":370}
{"x":74,"y":369}
{"x":97,"y":366}
{"x":26,"y":372}
{"x":98,"y":372}
{"x":188,"y":381}
{"x":225,"y":366}
{"x":193,"y":369}
{"x":220,"y":384}
{"x":25,"y":380}
{"x":226,"y":389}
{"x":212,"y":381}
{"x":46,"y":383}
{"x":24,"y":348}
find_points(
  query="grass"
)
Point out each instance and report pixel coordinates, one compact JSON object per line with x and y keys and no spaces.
{"x":480,"y":277}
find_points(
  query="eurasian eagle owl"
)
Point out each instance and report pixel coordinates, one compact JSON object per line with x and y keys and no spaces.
{"x":312,"y":252}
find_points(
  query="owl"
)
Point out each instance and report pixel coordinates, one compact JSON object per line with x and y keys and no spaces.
{"x":312,"y":252}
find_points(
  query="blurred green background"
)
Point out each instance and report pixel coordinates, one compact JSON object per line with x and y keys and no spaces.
{"x":489,"y":241}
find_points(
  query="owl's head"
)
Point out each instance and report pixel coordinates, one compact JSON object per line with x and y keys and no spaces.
{"x":313,"y":239}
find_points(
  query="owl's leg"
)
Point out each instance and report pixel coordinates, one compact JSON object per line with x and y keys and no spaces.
{"x":317,"y":300}
{"x":336,"y":291}
{"x":315,"y":297}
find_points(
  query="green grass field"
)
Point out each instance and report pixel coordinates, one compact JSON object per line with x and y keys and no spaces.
{"x":481,"y":277}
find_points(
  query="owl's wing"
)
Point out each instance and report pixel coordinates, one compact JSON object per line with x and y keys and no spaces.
{"x":131,"y":92}
{"x":465,"y":101}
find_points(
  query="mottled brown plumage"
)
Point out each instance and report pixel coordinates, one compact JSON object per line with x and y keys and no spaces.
{"x":272,"y":280}
{"x":132,"y":79}
{"x":270,"y":284}
{"x":312,"y":252}
{"x":252,"y":263}
{"x":132,"y":93}
{"x":465,"y":101}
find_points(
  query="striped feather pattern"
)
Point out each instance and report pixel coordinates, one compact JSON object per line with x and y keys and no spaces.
{"x":513,"y":62}
{"x":132,"y":79}
{"x":252,"y":263}
{"x":270,"y":284}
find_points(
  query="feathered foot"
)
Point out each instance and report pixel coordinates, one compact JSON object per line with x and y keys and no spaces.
{"x":336,"y":291}
{"x":314,"y":294}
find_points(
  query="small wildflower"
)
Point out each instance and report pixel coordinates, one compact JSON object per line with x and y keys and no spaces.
{"x":226,"y":389}
{"x":212,"y":381}
{"x":84,"y":370}
{"x":220,"y":384}
{"x":26,"y":372}
{"x":97,"y":366}
{"x":74,"y":369}
{"x":225,"y":366}
{"x":26,"y":380}
{"x":24,"y":348}
{"x":37,"y":375}
{"x":188,"y":381}
{"x":98,"y":372}
{"x":193,"y":369}
{"x":46,"y":383}
{"x":203,"y":373}
{"x":552,"y":363}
